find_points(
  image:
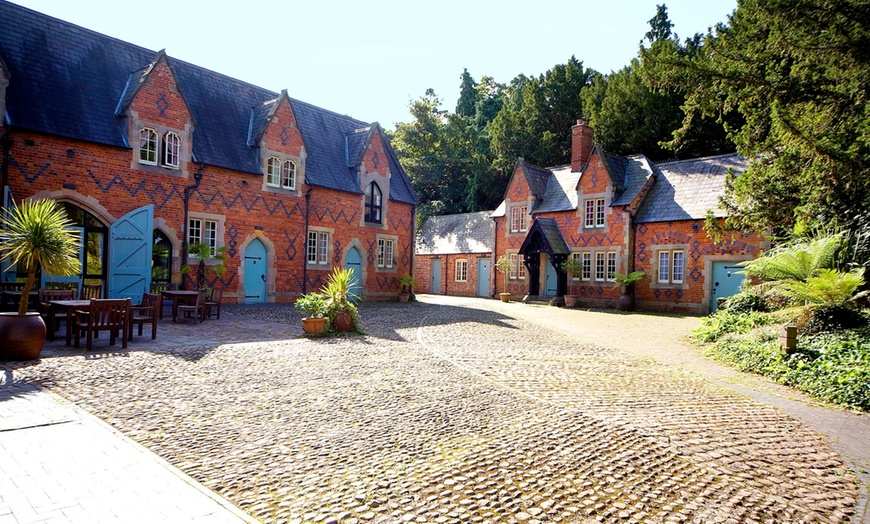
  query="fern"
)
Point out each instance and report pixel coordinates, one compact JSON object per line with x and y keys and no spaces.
{"x":828,"y":288}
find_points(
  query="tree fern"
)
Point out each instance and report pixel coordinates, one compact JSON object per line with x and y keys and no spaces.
{"x":828,"y":288}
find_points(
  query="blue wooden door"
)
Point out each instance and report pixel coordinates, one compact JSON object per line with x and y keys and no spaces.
{"x":435,"y":284}
{"x":75,"y":280}
{"x":256,"y":264}
{"x":483,"y":277}
{"x":726,"y":282}
{"x":552,"y":278}
{"x":354,"y":263}
{"x":130,"y":239}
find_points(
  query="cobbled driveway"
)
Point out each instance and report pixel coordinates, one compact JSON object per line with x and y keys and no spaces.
{"x":444,"y":413}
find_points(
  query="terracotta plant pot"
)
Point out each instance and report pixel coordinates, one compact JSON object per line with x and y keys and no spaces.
{"x":314,"y":326}
{"x":21,"y":336}
{"x":505,"y":297}
{"x":625,"y":302}
{"x":343,"y":322}
{"x":571,"y":300}
{"x":403,"y":297}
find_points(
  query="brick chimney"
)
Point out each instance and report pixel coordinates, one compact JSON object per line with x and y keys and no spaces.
{"x":582,"y":141}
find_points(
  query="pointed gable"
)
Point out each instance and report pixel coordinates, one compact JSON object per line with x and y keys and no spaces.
{"x":155,"y":95}
{"x":280,"y":130}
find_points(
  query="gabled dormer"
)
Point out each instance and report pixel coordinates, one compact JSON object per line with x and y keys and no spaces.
{"x":274,"y":136}
{"x":368,"y":159}
{"x":525,"y":192}
{"x":158,"y":124}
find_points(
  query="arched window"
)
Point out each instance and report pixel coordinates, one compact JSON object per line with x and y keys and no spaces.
{"x":374,"y":204}
{"x":273,"y":172}
{"x":171,"y":147}
{"x":148,"y":146}
{"x":288,"y":175}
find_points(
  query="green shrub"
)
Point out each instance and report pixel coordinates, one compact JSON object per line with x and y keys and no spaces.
{"x":834,"y":318}
{"x":832,"y":366}
{"x":724,"y":321}
{"x":746,"y":302}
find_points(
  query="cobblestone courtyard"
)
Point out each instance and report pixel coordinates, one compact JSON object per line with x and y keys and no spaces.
{"x":444,"y":413}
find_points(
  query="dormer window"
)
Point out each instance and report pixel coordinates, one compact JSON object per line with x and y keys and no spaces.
{"x":281,"y":173}
{"x":374,"y":204}
{"x":171,"y":147}
{"x":148,"y":146}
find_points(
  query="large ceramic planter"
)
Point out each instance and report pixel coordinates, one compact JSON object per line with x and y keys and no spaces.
{"x":571,"y":300}
{"x":343,"y":322}
{"x":505,"y":297}
{"x":625,"y":302}
{"x":21,"y":336}
{"x":314,"y":326}
{"x":404,"y":297}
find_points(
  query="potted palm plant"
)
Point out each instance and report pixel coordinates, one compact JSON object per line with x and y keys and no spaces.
{"x":340,"y":310}
{"x":505,"y":266}
{"x":35,"y":235}
{"x":314,"y":304}
{"x":573,"y":267}
{"x":406,"y":284}
{"x":202,"y":253}
{"x":626,"y":282}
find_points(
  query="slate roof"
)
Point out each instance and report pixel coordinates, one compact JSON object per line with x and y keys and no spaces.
{"x":69,"y":81}
{"x":554,"y":241}
{"x":537,"y":177}
{"x":561,"y":193}
{"x":686,"y":189}
{"x":638,"y":169}
{"x":453,"y":234}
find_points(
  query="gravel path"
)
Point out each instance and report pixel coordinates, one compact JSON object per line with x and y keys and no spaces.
{"x":450,"y":412}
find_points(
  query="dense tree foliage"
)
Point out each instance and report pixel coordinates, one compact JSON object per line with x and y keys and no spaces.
{"x":789,"y":79}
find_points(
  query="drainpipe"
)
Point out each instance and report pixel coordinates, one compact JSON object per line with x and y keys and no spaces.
{"x":493,"y":274}
{"x":188,"y":191}
{"x":6,"y":143}
{"x":413,"y":244}
{"x":305,"y":241}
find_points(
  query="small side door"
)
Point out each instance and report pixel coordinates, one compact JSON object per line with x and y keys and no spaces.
{"x":483,"y":277}
{"x":256,"y":262}
{"x":435,"y":284}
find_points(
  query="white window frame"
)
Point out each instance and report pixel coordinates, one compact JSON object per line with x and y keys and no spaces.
{"x":148,"y":145}
{"x":513,"y":257}
{"x":586,"y":274}
{"x":595,"y":213}
{"x":600,"y":266}
{"x":611,"y":265}
{"x":288,"y":175}
{"x":206,"y":228}
{"x":273,"y":172}
{"x":519,"y":219}
{"x":577,"y":260}
{"x":673,"y":270}
{"x":317,"y":247}
{"x":463,"y":264}
{"x":521,"y":267}
{"x":171,"y":149}
{"x":386,"y":250}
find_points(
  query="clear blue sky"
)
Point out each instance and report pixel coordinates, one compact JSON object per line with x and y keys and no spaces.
{"x":370,"y":59}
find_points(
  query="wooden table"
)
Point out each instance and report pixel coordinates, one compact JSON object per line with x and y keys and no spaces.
{"x":177,"y":296}
{"x":70,"y":306}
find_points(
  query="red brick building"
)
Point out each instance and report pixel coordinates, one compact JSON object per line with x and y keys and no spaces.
{"x":454,"y":255}
{"x":621,"y":214}
{"x":149,"y":154}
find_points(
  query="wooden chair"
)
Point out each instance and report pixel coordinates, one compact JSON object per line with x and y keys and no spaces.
{"x":91,"y":291}
{"x":52,"y":320}
{"x":146,"y":313}
{"x":159,"y":288}
{"x":110,"y":314}
{"x":214,"y":305}
{"x":196,"y":311}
